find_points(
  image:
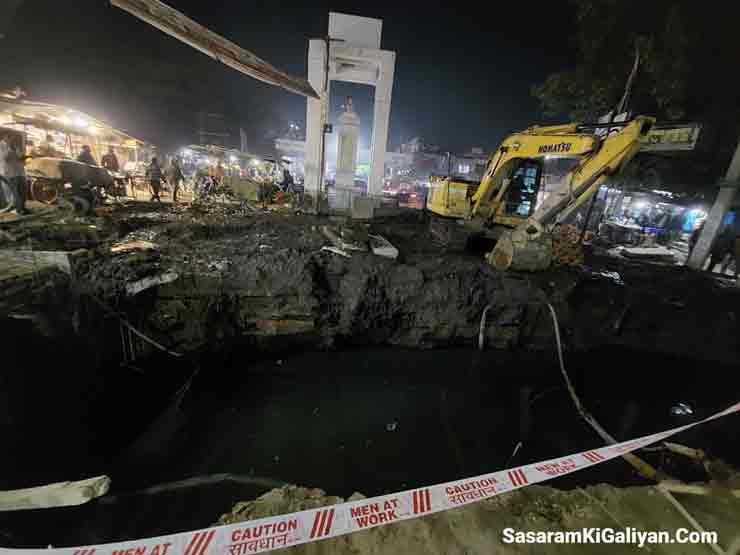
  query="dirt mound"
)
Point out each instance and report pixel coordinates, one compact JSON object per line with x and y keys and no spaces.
{"x":479,"y":528}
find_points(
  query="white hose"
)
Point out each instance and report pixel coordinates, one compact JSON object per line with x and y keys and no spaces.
{"x":606,"y":436}
{"x":481,"y":331}
{"x":556,"y":325}
{"x":610,"y":440}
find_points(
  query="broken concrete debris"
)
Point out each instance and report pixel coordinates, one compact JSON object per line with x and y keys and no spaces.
{"x":654,"y":253}
{"x":337,"y":250}
{"x":347,"y":239}
{"x":132,"y":245}
{"x":148,"y":282}
{"x":382,"y":247}
{"x":62,"y":494}
{"x":35,"y":260}
{"x":356,"y":238}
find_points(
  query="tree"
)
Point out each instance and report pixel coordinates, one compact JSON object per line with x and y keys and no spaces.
{"x":688,"y":70}
{"x":686,"y":50}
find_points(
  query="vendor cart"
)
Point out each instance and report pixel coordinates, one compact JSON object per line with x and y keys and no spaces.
{"x":50,"y":178}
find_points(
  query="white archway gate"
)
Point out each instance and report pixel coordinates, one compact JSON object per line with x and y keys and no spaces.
{"x":355,"y":57}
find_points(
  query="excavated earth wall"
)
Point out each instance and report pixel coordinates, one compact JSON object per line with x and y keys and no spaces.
{"x":263,"y":279}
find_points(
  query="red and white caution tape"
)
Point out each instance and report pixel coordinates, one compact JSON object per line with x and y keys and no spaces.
{"x":265,"y":534}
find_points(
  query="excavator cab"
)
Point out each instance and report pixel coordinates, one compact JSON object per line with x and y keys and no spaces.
{"x":514,"y":195}
{"x":520,"y":197}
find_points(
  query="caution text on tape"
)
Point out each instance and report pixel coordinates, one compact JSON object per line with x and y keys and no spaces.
{"x":265,"y":534}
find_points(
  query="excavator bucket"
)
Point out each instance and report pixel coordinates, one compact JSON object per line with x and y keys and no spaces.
{"x":523,"y":249}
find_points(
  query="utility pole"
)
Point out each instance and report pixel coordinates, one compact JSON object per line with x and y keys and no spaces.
{"x":324,"y":124}
{"x":325,"y":127}
{"x":725,"y":198}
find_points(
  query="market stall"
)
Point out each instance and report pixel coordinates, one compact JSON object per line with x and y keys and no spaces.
{"x":55,"y":135}
{"x":244,"y":174}
{"x":634,"y":217}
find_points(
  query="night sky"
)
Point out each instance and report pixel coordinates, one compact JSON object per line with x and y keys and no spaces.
{"x":463,"y":76}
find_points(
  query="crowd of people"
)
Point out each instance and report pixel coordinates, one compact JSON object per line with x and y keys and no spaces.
{"x":154,"y":174}
{"x":202,"y":181}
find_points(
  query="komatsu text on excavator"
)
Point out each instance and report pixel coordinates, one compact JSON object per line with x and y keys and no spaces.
{"x":534,"y":180}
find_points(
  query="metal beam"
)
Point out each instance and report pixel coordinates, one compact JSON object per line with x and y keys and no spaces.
{"x":715,"y":219}
{"x":181,"y":27}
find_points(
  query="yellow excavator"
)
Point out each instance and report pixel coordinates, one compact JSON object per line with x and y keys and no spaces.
{"x":534,"y":180}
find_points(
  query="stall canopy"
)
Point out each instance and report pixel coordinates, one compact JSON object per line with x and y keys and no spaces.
{"x":38,"y":119}
{"x":217,"y":152}
{"x":234,"y":162}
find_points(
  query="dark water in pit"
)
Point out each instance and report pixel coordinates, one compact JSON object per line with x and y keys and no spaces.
{"x":376,"y":421}
{"x":381,"y":420}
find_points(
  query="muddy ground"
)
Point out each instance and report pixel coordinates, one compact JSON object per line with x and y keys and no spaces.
{"x":257,"y":281}
{"x":252,"y":283}
{"x":250,"y":275}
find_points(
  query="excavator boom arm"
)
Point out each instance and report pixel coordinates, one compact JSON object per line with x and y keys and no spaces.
{"x":535,"y":142}
{"x":600,"y":159}
{"x":613,"y":154}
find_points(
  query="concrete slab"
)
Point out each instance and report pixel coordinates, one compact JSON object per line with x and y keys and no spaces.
{"x":358,"y":30}
{"x":20,"y":263}
{"x":21,"y":272}
{"x":61,"y":494}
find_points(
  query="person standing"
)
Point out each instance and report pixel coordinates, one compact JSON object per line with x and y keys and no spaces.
{"x":174,"y":177}
{"x":110,"y":161}
{"x":13,"y":172}
{"x":86,"y":156}
{"x":694,"y":238}
{"x":154,"y":172}
{"x":219,"y":173}
{"x":737,"y":250}
{"x":723,"y":248}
